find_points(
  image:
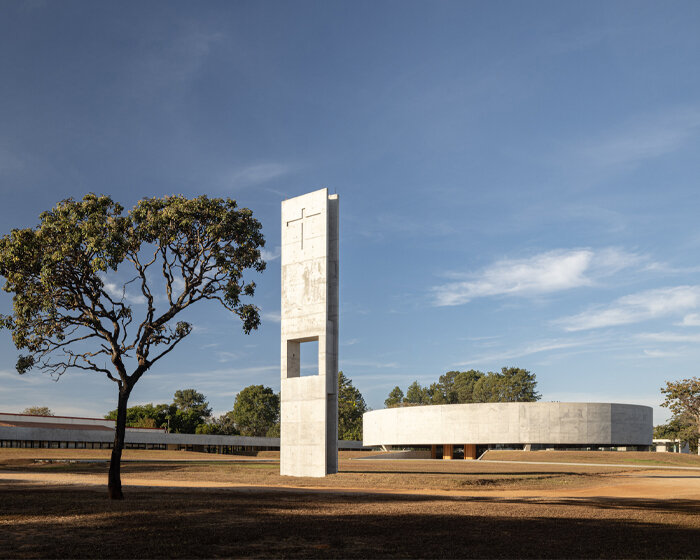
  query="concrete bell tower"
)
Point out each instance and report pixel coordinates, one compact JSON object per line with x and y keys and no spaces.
{"x":309,"y":313}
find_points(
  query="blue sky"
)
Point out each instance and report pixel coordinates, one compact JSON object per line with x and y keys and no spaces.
{"x":518,"y":181}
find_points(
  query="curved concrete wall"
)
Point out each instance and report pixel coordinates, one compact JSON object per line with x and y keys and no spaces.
{"x":510,"y":423}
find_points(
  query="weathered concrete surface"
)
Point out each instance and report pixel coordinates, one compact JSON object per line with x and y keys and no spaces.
{"x":510,"y":423}
{"x":309,"y":312}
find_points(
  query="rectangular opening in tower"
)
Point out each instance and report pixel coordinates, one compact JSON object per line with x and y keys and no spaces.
{"x":306,"y":365}
{"x":308,"y":356}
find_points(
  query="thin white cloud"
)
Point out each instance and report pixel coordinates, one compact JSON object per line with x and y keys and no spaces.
{"x":369,"y":364}
{"x":660,"y":354}
{"x":669,"y":337}
{"x":178,"y":284}
{"x":526,"y":350}
{"x":691,"y":320}
{"x":270,"y":255}
{"x":635,"y":308}
{"x":481,"y":339}
{"x":647,"y":138}
{"x":548,"y":272}
{"x":117,"y":292}
{"x":272,"y":316}
{"x":35,"y":378}
{"x":223,"y":357}
{"x":219,"y":374}
{"x":258,"y":173}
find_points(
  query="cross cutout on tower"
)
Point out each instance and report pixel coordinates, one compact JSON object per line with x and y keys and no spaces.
{"x":301,"y":223}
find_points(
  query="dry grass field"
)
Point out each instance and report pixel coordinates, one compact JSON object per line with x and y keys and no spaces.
{"x":622,"y":457}
{"x":242,"y":507}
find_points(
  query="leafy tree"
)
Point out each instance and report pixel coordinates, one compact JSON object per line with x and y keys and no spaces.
{"x":447,"y":386}
{"x":509,"y":385}
{"x":351,"y":407}
{"x":189,"y":399}
{"x":679,"y":428}
{"x":38,"y":411}
{"x":488,"y":389}
{"x":145,"y":423}
{"x":226,"y":424}
{"x":209,"y":428}
{"x":144,"y":416}
{"x":66,"y":315}
{"x":275,"y":430}
{"x":464,"y":383}
{"x":672,"y":430}
{"x":223,"y":425}
{"x":188,"y":411}
{"x":414,"y":394}
{"x":683,"y":399}
{"x":452,"y":387}
{"x":518,"y":385}
{"x":185,"y":421}
{"x":395,"y":397}
{"x":434,"y":394}
{"x":256,"y":410}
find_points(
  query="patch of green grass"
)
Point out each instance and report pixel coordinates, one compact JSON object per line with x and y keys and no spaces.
{"x":262,"y":466}
{"x":645,"y":462}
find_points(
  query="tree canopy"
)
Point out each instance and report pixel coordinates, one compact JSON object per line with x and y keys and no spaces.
{"x":682,"y":398}
{"x":511,"y":384}
{"x":256,"y":410}
{"x":38,"y":411}
{"x":174,"y":251}
{"x":188,"y":411}
{"x":351,"y":407}
{"x":414,"y":394}
{"x":395,"y":397}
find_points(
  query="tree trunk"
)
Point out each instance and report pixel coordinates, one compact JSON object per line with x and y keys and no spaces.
{"x":114,"y":484}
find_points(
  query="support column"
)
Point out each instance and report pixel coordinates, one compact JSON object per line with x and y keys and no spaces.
{"x":447,"y":451}
{"x":433,"y":451}
{"x":470,"y":451}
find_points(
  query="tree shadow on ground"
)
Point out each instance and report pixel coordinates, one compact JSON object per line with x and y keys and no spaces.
{"x":55,"y":522}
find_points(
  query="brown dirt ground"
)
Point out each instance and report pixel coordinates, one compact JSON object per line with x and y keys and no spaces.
{"x":370,"y":509}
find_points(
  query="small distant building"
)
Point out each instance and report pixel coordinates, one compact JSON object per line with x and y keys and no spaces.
{"x":470,"y":429}
{"x":671,"y":446}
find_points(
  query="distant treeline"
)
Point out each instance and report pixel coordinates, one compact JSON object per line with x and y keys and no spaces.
{"x":510,"y":385}
{"x":256,"y":412}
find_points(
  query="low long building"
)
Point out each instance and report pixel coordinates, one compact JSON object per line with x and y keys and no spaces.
{"x":529,"y":425}
{"x":23,"y":430}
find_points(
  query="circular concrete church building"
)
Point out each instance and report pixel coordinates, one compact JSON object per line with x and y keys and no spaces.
{"x":514,"y":424}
